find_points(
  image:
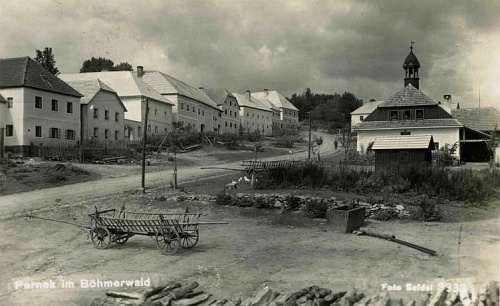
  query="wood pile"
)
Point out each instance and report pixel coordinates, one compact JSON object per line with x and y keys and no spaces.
{"x":174,"y":294}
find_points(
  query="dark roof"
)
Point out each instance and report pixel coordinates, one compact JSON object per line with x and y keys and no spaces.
{"x":481,"y":119}
{"x":408,"y":96}
{"x":398,"y":124}
{"x":411,"y":60}
{"x":218,"y":95}
{"x":403,"y":142}
{"x":25,"y":72}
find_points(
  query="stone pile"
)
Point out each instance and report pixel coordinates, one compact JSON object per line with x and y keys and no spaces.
{"x":174,"y":294}
{"x":282,"y":201}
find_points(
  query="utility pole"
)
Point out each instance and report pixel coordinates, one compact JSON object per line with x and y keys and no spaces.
{"x":309,"y":151}
{"x":143,"y":184}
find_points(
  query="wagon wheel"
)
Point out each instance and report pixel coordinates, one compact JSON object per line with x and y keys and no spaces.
{"x":168,"y":241}
{"x":121,"y":239}
{"x":190,"y":239}
{"x":101,"y":238}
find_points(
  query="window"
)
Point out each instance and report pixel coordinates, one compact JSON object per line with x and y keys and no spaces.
{"x":69,"y":107}
{"x":156,"y":112}
{"x":230,"y":124}
{"x":394,"y":115}
{"x":203,"y":113}
{"x":187,"y":107}
{"x":38,"y":131}
{"x":253,"y":115}
{"x":38,"y":102}
{"x":407,"y":114}
{"x":225,"y":122}
{"x":419,"y":114}
{"x":199,"y":112}
{"x":165,"y":114}
{"x":230,"y":113}
{"x":70,"y":134}
{"x":106,"y":115}
{"x":96,"y":132}
{"x":235,"y":114}
{"x":165,"y":130}
{"x":10,"y":102}
{"x":96,"y":113}
{"x":55,"y":105}
{"x":106,"y":133}
{"x":361,"y":118}
{"x":156,"y":129}
{"x":9,"y":130}
{"x":149,"y":128}
{"x":55,"y":133}
{"x":139,"y":128}
{"x":116,"y":135}
{"x":117,"y":116}
{"x":225,"y":112}
{"x":182,"y":105}
{"x":194,"y":110}
{"x":229,"y":102}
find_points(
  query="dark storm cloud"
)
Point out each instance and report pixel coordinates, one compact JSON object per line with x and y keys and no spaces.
{"x":329,"y":46}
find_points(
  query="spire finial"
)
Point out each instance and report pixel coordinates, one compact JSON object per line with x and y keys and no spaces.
{"x":411,"y":45}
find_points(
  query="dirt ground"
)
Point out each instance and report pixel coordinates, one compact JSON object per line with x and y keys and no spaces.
{"x":285,"y":250}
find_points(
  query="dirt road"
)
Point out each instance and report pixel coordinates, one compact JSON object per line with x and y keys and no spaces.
{"x":287,"y":251}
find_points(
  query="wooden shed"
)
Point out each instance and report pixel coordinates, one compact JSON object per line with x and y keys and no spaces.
{"x":402,"y":151}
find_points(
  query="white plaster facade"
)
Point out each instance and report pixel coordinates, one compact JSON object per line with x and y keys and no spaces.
{"x":441,"y":136}
{"x":230,"y":116}
{"x":46,"y":125}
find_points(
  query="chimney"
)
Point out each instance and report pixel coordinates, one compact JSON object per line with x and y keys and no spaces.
{"x":249,"y":95}
{"x":140,"y":71}
{"x":266,"y":91}
{"x":446,"y":105}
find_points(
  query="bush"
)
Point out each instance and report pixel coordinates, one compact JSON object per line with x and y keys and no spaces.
{"x":292,"y":203}
{"x":316,"y":208}
{"x":55,"y":178}
{"x":386,"y":214}
{"x":225,"y":199}
{"x":426,"y":210}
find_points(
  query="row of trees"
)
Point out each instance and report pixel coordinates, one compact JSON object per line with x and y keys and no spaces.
{"x":95,"y":64}
{"x":333,"y":108}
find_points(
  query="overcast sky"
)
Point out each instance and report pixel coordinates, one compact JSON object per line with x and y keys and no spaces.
{"x":329,"y":46}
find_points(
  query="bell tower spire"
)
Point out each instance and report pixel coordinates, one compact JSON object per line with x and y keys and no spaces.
{"x":411,"y":66}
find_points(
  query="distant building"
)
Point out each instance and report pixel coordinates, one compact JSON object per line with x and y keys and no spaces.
{"x":409,"y":112}
{"x":134,"y":93}
{"x":230,"y":110}
{"x":255,"y":116}
{"x":362,"y":112}
{"x":102,"y":112}
{"x":288,"y":113}
{"x":192,"y":107}
{"x":3,"y":108}
{"x":41,"y":108}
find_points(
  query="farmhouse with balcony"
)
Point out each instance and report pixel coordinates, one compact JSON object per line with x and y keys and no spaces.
{"x":288,"y":113}
{"x":230,"y":110}
{"x":409,"y":112}
{"x":102,"y":112}
{"x":42,"y":110}
{"x":192,"y":107}
{"x":255,"y":116}
{"x":134,"y":94}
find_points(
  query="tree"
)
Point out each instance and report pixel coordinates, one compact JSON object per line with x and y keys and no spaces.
{"x":46,"y":59}
{"x":103,"y":64}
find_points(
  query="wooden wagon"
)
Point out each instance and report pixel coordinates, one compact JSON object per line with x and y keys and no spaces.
{"x":170,"y":231}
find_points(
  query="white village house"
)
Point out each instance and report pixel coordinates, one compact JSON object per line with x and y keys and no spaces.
{"x":230,"y":110}
{"x":255,"y":116}
{"x":134,"y":94}
{"x":288,"y":113}
{"x":41,"y":109}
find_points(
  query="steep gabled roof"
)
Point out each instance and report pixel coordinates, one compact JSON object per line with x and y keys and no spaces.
{"x":275,"y":98}
{"x":252,"y":103}
{"x":125,"y":83}
{"x":25,"y":72}
{"x":403,"y":142}
{"x":89,"y":88}
{"x":367,"y":108}
{"x":398,"y":124}
{"x":166,"y":84}
{"x":218,"y":95}
{"x":408,"y":96}
{"x":481,"y":119}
